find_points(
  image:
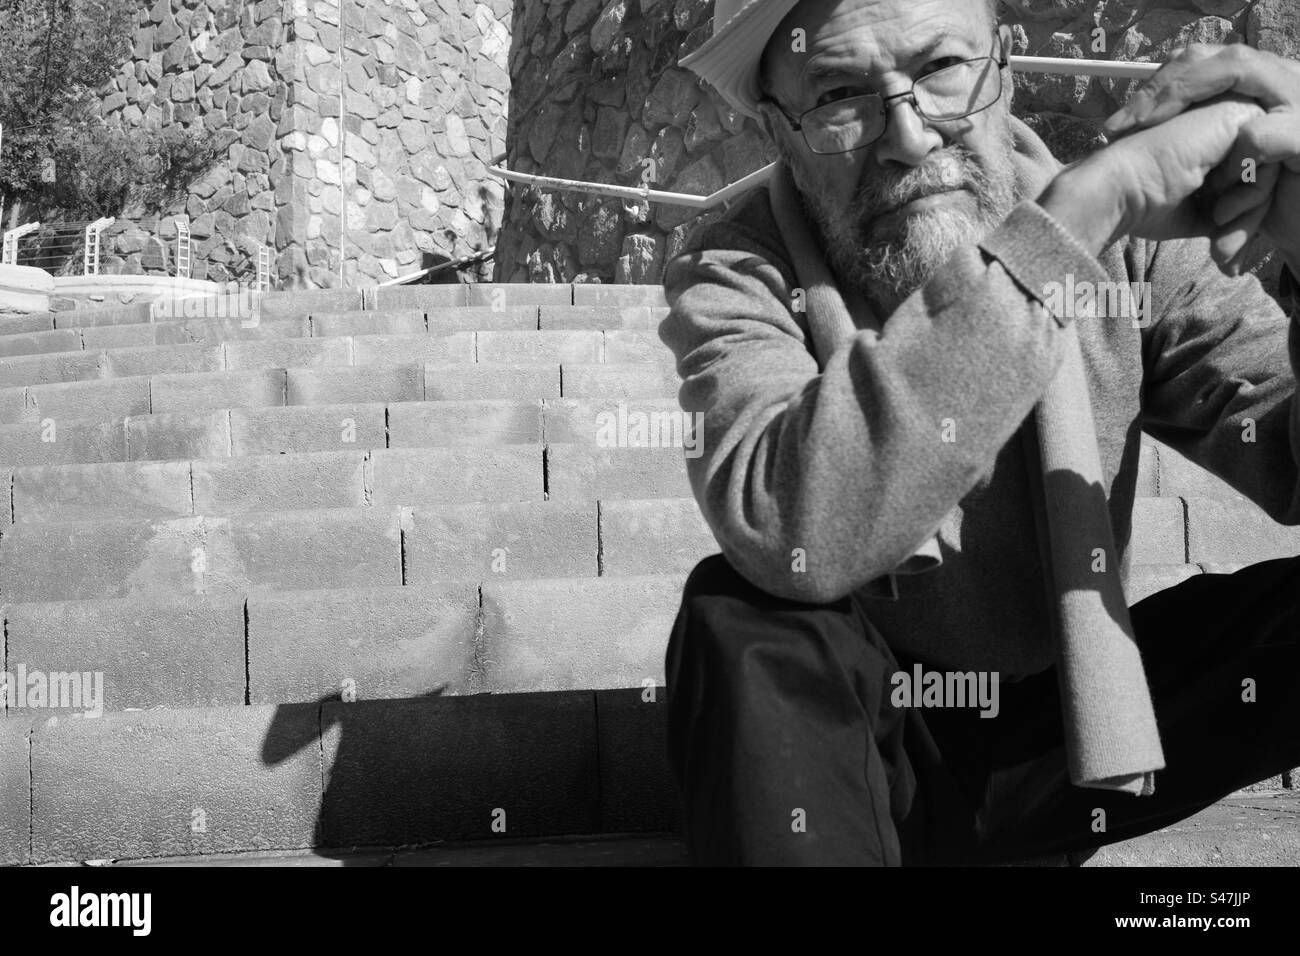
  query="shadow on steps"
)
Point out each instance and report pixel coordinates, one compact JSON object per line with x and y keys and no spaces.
{"x":481,"y":767}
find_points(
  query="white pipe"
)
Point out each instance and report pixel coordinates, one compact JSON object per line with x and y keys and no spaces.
{"x":1116,"y":69}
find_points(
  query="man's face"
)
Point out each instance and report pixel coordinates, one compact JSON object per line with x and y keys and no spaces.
{"x":891,"y":212}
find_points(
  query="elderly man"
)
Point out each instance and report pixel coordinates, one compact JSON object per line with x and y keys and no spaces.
{"x":921,"y":448}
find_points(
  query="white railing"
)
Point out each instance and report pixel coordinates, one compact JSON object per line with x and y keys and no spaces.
{"x":440,"y":267}
{"x":9,"y":250}
{"x":263,"y":268}
{"x":1024,"y":64}
{"x":90,"y":259}
{"x":183,"y":261}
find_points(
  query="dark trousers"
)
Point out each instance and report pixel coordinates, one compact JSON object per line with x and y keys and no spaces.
{"x":787,"y":750}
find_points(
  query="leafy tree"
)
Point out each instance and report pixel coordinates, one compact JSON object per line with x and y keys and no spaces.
{"x":55,"y":58}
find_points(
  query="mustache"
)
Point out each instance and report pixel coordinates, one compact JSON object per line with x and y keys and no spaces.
{"x":952,"y":168}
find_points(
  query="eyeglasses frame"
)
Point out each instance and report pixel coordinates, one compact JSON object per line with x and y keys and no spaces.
{"x":796,"y":123}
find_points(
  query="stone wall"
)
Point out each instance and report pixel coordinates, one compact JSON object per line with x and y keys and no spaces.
{"x":597,"y":92}
{"x":354,"y":138}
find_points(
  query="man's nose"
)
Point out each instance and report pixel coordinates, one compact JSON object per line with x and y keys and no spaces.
{"x":908,"y":139}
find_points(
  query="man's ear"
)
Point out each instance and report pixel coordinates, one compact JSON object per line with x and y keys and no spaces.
{"x":1007,"y":39}
{"x":767,"y":118}
{"x":1008,"y":44}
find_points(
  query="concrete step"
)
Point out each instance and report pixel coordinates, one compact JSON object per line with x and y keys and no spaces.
{"x":307,"y":784}
{"x":220,"y":433}
{"x":1256,"y":830}
{"x":258,"y":534}
{"x":356,"y":478}
{"x":502,"y":347}
{"x":205,"y":780}
{"x":112,"y":398}
{"x":216,"y":330}
{"x":478,"y":632}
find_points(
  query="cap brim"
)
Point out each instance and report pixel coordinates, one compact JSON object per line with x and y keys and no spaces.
{"x":729,"y":60}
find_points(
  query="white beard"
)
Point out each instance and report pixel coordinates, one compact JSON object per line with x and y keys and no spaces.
{"x":890,"y":258}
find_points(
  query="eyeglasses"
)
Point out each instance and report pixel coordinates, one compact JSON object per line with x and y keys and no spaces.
{"x":953,"y":93}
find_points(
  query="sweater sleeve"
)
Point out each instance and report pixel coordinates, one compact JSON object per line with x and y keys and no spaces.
{"x":817,"y":481}
{"x":1221,"y":359}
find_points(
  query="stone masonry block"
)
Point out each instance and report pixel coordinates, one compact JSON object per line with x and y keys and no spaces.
{"x":539,"y":347}
{"x":578,"y":472}
{"x":218,"y":331}
{"x":420,"y":296}
{"x":585,"y":293}
{"x":477,"y":423}
{"x":443,"y":382}
{"x":1148,"y":579}
{"x":51,"y":367}
{"x":510,"y":294}
{"x":534,"y":539}
{"x":213,"y":390}
{"x":1180,"y":476}
{"x":637,"y":792}
{"x":118,"y":336}
{"x":627,"y":381}
{"x":287,"y":353}
{"x":577,"y":633}
{"x":178,"y":437}
{"x":182,"y":652}
{"x":1158,"y":535}
{"x":303,"y":301}
{"x":136,"y":784}
{"x":15,"y":792}
{"x":482,"y":319}
{"x":623,"y":347}
{"x":332,"y":386}
{"x":99,"y":559}
{"x":653,"y":536}
{"x":600,"y":318}
{"x":35,"y":343}
{"x":401,"y":349}
{"x":305,"y":428}
{"x":1228,"y":531}
{"x":71,"y":441}
{"x":387,"y":642}
{"x":595,"y":421}
{"x":292,"y":550}
{"x":435,"y":476}
{"x":163,"y":360}
{"x":279,"y":482}
{"x":415,"y":771}
{"x":340,"y":324}
{"x":131,"y":489}
{"x":102,"y":400}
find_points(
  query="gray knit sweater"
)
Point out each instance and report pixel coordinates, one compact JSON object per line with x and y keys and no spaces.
{"x":819,"y":480}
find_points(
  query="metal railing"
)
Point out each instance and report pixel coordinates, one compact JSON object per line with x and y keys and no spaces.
{"x":643,"y":193}
{"x":472,"y":259}
{"x":59,"y":247}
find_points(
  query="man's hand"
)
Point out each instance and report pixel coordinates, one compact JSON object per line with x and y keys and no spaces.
{"x":1257,"y":187}
{"x":1144,"y":184}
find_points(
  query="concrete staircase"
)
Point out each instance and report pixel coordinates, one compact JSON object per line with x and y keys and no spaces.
{"x":356,"y":571}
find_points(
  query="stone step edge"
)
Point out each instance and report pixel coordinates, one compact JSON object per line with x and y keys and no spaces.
{"x":566,"y":762}
{"x":558,"y":368}
{"x":107,"y":353}
{"x":70,"y":324}
{"x":669,"y":849}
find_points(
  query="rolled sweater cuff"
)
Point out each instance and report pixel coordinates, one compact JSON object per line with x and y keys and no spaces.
{"x":1044,"y":258}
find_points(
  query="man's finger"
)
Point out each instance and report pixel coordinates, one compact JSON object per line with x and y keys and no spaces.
{"x":1229,"y":247}
{"x":1183,"y":82}
{"x":1235,"y":202}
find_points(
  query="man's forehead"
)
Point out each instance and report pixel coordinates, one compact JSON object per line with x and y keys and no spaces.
{"x":818,"y":38}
